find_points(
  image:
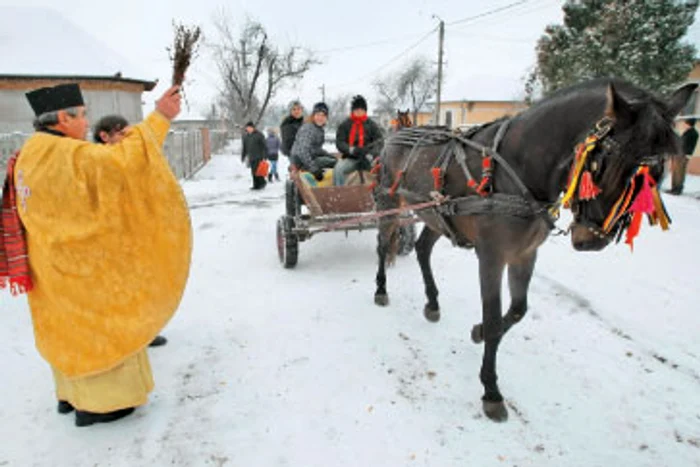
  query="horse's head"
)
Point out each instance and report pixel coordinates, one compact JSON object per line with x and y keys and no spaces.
{"x":404,"y":119}
{"x":616,"y":180}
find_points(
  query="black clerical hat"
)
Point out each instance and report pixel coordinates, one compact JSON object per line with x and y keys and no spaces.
{"x":63,"y":96}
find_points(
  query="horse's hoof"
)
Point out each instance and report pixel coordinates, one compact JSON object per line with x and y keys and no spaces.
{"x":495,"y":411}
{"x":432,"y":315}
{"x":381,"y":299}
{"x":478,"y":334}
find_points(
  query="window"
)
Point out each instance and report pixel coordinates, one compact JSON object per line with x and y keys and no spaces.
{"x":448,"y":119}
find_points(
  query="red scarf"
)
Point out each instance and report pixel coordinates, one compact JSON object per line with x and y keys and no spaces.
{"x":357,"y":130}
{"x":14,"y":262}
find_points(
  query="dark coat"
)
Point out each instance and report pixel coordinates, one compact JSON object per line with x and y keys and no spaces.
{"x":690,"y":139}
{"x":374,"y":138}
{"x":254,"y":147}
{"x":289,"y":128}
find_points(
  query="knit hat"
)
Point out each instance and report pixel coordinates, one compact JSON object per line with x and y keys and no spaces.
{"x":358,"y":102}
{"x":320,"y":107}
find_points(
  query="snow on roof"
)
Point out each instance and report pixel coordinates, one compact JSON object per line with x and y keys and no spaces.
{"x":41,"y":42}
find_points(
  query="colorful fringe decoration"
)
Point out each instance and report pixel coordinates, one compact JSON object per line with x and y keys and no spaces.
{"x":643,"y":205}
{"x":587,"y":189}
{"x":14,"y":260}
{"x":582,"y":153}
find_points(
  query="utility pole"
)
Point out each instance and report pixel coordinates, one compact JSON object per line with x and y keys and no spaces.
{"x":441,"y":43}
{"x":323,"y":92}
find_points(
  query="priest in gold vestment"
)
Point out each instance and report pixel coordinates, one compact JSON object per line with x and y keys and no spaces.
{"x":105,"y":233}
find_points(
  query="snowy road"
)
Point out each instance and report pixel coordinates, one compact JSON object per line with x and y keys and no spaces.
{"x":274,"y":367}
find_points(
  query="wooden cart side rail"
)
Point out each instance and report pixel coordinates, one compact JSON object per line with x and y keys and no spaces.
{"x":306,"y":194}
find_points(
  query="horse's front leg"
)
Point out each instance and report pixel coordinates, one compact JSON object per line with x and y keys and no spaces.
{"x":491,"y":267}
{"x":424,"y":249}
{"x":519,"y":276}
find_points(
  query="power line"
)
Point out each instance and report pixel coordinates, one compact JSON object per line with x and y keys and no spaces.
{"x":488,"y":13}
{"x":392,"y":60}
{"x":368,"y":44}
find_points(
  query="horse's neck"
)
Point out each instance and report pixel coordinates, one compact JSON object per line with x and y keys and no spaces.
{"x":541,"y":146}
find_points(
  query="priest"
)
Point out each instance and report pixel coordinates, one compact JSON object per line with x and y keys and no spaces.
{"x":99,"y":237}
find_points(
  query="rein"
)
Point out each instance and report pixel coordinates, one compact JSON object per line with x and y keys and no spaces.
{"x":640,"y":197}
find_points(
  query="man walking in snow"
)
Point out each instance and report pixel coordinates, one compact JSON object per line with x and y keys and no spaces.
{"x":255,"y":149}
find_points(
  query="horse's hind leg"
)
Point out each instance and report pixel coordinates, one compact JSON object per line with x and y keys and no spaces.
{"x":490,"y":276}
{"x":381,"y":297}
{"x":519,"y":276}
{"x":424,"y":249}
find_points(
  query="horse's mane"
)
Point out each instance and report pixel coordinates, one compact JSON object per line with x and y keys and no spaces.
{"x":651,"y":124}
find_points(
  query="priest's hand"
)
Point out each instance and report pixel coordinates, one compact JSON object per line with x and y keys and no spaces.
{"x":169,"y":103}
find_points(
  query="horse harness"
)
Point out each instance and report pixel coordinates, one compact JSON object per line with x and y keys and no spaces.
{"x":487,"y":201}
{"x":626,"y":213}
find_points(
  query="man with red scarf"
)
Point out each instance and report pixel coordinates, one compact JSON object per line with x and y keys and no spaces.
{"x":359,"y":141}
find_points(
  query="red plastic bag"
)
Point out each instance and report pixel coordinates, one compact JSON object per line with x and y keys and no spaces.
{"x":263,"y":168}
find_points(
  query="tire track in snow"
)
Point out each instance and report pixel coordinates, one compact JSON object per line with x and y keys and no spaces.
{"x":585,"y":305}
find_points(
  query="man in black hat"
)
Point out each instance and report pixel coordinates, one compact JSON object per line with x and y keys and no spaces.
{"x":255,"y":149}
{"x":679,"y":163}
{"x":359,"y":141}
{"x":106,"y":242}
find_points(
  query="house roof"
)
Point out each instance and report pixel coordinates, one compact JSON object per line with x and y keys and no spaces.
{"x":32,"y":40}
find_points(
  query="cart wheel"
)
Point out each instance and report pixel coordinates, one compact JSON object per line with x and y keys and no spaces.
{"x":291,"y":197}
{"x":407,"y":239}
{"x":287,"y":242}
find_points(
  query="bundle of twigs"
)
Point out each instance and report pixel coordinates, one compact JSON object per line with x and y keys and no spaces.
{"x":183,"y":50}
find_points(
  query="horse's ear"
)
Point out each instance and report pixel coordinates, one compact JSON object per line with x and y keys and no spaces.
{"x":615,"y":106}
{"x":679,"y":99}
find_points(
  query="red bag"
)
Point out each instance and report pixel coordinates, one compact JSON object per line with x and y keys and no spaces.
{"x":263,"y":168}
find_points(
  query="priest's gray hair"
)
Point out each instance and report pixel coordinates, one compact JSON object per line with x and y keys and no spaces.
{"x":51,"y":118}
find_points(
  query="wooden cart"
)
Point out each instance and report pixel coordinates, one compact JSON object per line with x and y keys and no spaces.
{"x":312,"y":210}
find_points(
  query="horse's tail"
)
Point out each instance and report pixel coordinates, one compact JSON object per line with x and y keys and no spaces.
{"x":388,"y":238}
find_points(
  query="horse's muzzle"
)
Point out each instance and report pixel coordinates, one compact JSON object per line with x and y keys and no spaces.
{"x":584,"y":238}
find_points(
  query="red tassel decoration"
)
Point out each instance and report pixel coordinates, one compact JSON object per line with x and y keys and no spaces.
{"x":633,"y":229}
{"x":587,"y":189}
{"x":437,"y":178}
{"x":644,"y":202}
{"x":395,"y":186}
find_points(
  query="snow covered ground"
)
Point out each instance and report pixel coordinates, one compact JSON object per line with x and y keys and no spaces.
{"x":274,"y":367}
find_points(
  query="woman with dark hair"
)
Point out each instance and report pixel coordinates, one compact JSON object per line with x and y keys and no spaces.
{"x":307,"y":152}
{"x":110,"y":129}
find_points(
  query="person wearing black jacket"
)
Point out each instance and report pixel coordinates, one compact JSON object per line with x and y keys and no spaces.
{"x":255,"y":149}
{"x":679,"y":163}
{"x":359,"y":140}
{"x":290,"y":126}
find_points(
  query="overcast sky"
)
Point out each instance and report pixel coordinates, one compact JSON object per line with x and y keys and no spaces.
{"x":486,"y":57}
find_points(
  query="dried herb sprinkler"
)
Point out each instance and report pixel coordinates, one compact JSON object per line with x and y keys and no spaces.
{"x":183,"y":50}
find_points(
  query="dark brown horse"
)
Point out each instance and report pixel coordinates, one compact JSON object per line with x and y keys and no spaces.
{"x":505,"y":211}
{"x":403,"y":119}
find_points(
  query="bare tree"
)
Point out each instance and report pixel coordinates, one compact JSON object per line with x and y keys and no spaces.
{"x":338,"y":110}
{"x":252,"y":69}
{"x":411,"y":87}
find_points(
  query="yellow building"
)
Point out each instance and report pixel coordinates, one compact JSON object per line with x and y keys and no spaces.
{"x":464,"y":113}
